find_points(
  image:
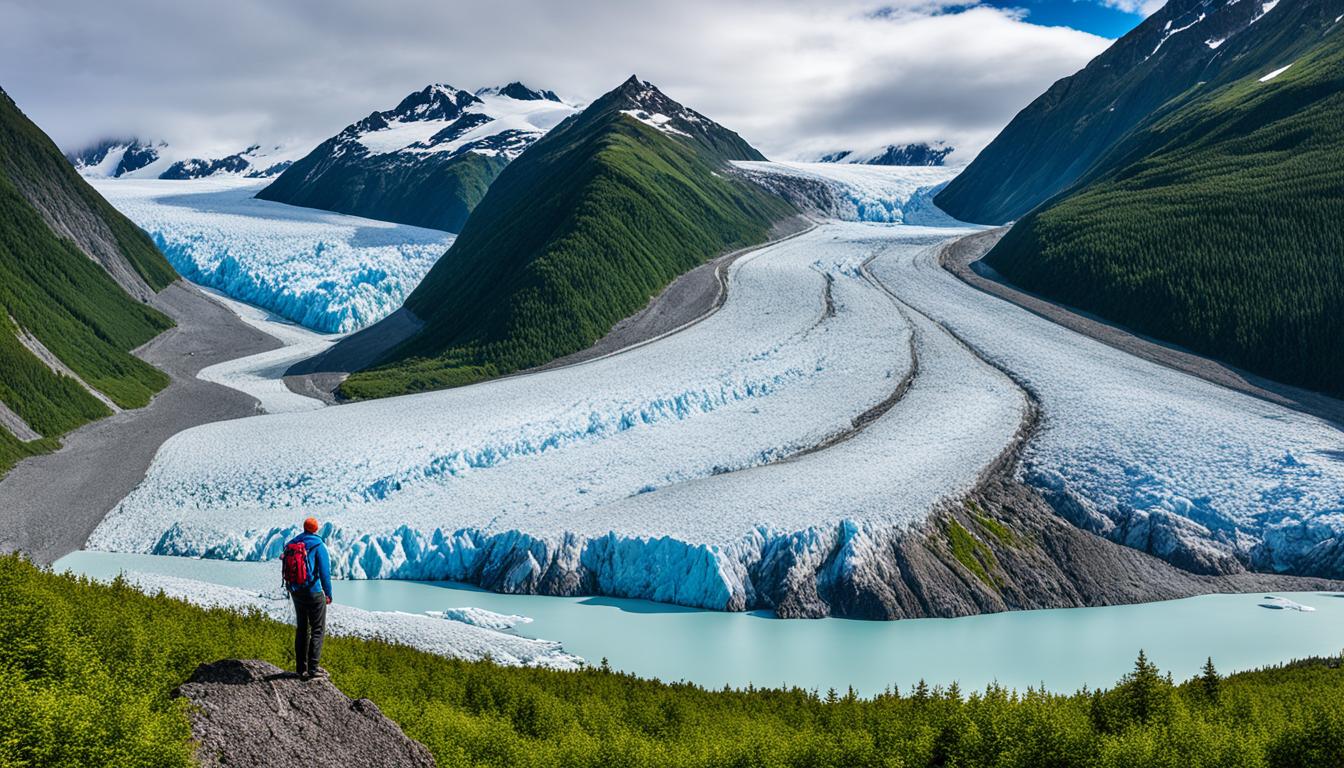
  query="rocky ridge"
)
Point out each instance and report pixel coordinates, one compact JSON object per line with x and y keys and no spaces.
{"x":248,"y":712}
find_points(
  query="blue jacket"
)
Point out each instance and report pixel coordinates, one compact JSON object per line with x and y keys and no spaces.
{"x":319,"y":571}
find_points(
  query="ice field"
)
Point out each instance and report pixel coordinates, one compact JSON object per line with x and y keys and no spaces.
{"x":847,"y":388}
{"x":416,"y":486}
{"x":1146,"y":455}
{"x":330,"y":272}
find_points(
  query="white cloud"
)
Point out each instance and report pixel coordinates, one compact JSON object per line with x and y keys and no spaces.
{"x":1141,"y":7}
{"x":791,"y":76}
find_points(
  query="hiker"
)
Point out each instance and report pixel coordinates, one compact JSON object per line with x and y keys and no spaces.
{"x":306,"y":571}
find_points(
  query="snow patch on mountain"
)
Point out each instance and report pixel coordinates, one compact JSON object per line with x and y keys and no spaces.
{"x":1275,"y":73}
{"x":654,"y":120}
{"x":1265,"y":7}
{"x":113,"y":158}
{"x":1168,"y":32}
{"x":329,"y":272}
{"x":921,"y":154}
{"x":504,"y":120}
{"x":135,"y":159}
{"x":400,"y":135}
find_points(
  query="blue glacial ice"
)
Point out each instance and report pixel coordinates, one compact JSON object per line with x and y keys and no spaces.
{"x":880,"y":194}
{"x":330,"y":272}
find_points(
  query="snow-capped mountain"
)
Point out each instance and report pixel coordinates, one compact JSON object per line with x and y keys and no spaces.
{"x":516,"y":90}
{"x":553,"y":225}
{"x":114,"y":158}
{"x":138,"y":159}
{"x":644,"y":102}
{"x":893,"y":154}
{"x":253,"y":163}
{"x":428,"y":160}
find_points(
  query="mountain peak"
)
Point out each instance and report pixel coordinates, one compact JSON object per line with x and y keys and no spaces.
{"x":643,"y":102}
{"x":643,"y":95}
{"x":115,"y":157}
{"x":437,"y":101}
{"x":921,"y":153}
{"x":516,"y":90}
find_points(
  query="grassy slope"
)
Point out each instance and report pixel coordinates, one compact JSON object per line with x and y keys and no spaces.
{"x":57,"y":293}
{"x":28,"y":153}
{"x":85,"y":671}
{"x":578,"y":233}
{"x":1221,"y":227}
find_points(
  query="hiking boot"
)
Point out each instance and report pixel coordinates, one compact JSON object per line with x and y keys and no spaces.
{"x":319,"y":672}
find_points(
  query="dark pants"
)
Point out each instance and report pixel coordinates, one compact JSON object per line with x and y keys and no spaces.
{"x":310,"y":608}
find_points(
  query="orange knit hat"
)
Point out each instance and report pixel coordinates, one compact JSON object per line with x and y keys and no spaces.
{"x":310,"y":525}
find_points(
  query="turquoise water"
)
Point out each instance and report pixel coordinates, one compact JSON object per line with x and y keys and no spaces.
{"x":1060,"y":649}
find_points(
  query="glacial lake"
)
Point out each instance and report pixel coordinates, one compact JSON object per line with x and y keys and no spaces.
{"x":1060,"y":649}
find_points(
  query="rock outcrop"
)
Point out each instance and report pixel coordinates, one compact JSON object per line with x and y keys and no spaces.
{"x":248,"y":712}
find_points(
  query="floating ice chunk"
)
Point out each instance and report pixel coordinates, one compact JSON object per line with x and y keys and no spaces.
{"x":479,"y":617}
{"x":446,"y":638}
{"x":1284,"y":603}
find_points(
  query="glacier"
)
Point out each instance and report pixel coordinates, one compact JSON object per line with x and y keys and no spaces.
{"x":670,"y":471}
{"x":330,"y":272}
{"x":1200,"y":475}
{"x":848,"y":389}
{"x":853,"y":192}
{"x":262,"y":375}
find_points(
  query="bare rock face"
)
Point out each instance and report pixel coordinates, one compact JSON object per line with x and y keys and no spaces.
{"x":247,"y":712}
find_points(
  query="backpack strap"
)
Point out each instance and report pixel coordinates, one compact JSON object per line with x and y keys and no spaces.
{"x":312,"y":565}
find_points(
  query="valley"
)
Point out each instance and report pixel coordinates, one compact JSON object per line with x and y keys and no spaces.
{"x":961,"y":387}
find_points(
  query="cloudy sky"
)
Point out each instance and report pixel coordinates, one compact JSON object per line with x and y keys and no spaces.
{"x":793,"y":77}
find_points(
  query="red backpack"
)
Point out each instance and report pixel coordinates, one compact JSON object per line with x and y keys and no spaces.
{"x":294,"y":565}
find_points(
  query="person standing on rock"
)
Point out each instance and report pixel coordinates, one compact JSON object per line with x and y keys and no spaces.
{"x":306,"y":571}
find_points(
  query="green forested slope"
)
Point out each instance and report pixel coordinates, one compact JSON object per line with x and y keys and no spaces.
{"x":438,"y":191}
{"x":57,"y":293}
{"x":577,"y":233}
{"x":1220,"y":226}
{"x":1068,"y":133}
{"x":86,"y":670}
{"x":29,"y":160}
